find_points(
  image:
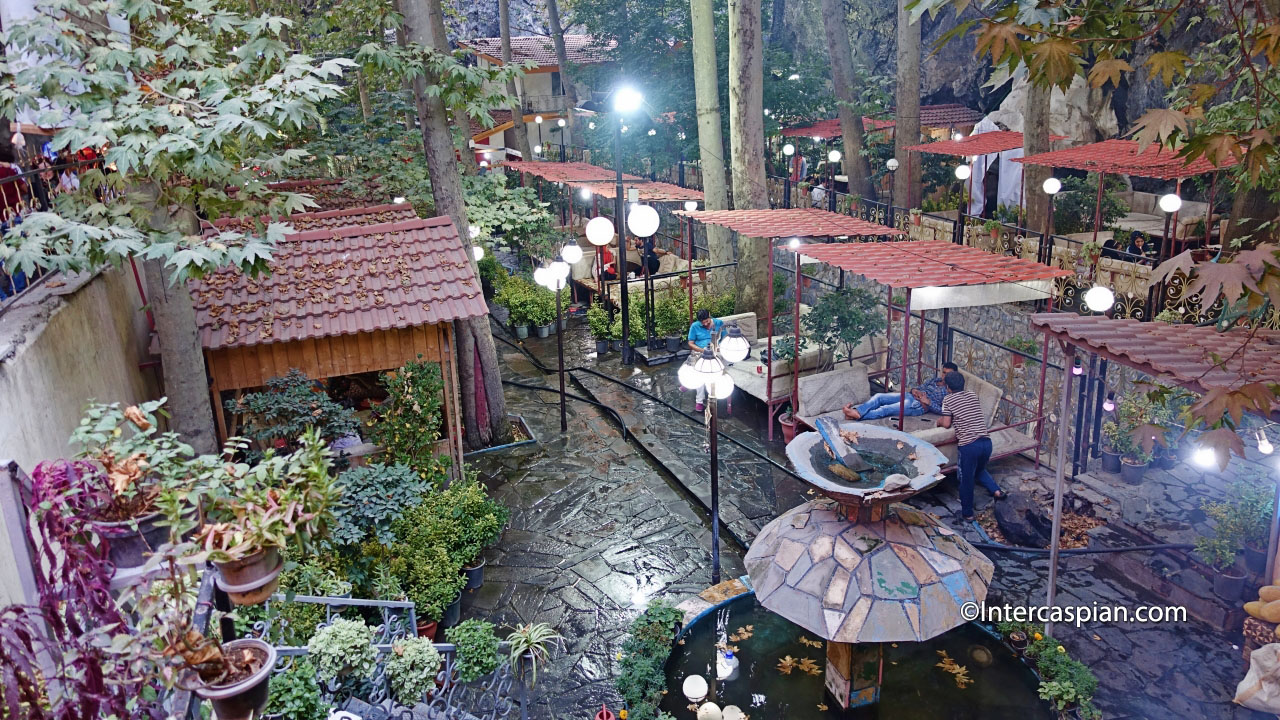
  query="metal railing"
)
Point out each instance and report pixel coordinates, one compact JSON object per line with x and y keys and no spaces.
{"x":544,"y":103}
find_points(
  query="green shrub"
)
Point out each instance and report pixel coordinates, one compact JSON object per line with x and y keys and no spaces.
{"x":598,"y":321}
{"x":541,"y":306}
{"x":461,"y":518}
{"x":516,"y":296}
{"x":287,"y":407}
{"x":295,"y":694}
{"x":841,"y":319}
{"x":343,"y":647}
{"x":477,"y":647}
{"x":671,"y":315}
{"x":492,"y":274}
{"x":412,"y":667}
{"x":641,"y":677}
{"x":374,"y":497}
{"x":430,"y":577}
{"x":1026,"y":345}
{"x":407,"y":425}
{"x":1073,"y":207}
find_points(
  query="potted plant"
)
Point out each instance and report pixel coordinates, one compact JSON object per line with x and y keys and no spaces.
{"x":1022,"y":345}
{"x":134,"y":465}
{"x":477,"y":649}
{"x":531,"y":644}
{"x":278,"y":415}
{"x":899,"y":301}
{"x":412,"y":666}
{"x":789,"y":426}
{"x":254,"y":512}
{"x":598,"y":324}
{"x":1244,"y":519}
{"x":1062,"y":694}
{"x":615,"y":333}
{"x":700,"y":265}
{"x":1114,"y":443}
{"x":1169,"y":316}
{"x":1219,"y":552}
{"x":492,"y":275}
{"x":514,"y":296}
{"x":915,"y":216}
{"x":841,"y":319}
{"x":993,"y":227}
{"x":542,"y":311}
{"x":1134,"y":464}
{"x":670,"y":318}
{"x":431,"y":577}
{"x":343,"y":647}
{"x":295,"y":694}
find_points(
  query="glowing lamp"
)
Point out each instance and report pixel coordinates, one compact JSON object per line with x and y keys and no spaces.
{"x":695,"y":688}
{"x":1170,"y":203}
{"x":571,"y":253}
{"x":1110,"y":403}
{"x":834,"y":156}
{"x":398,"y":200}
{"x":788,"y":149}
{"x":1099,"y":299}
{"x":722,"y":387}
{"x":600,"y":231}
{"x":1264,"y":445}
{"x":1052,"y":186}
{"x":963,"y":172}
{"x":642,"y":221}
{"x":689,"y":377}
{"x":627,"y":100}
{"x":690,"y":205}
{"x":537,"y":119}
{"x":892,"y":164}
{"x":477,"y":252}
{"x":735,"y":346}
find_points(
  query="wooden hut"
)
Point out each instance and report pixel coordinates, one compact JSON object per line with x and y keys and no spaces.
{"x":341,"y":301}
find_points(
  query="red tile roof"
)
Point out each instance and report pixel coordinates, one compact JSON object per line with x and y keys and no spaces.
{"x":1200,"y":358}
{"x":649,"y":191}
{"x":342,"y":281}
{"x":831,"y":128}
{"x":980,"y":144}
{"x":929,"y":263}
{"x":330,"y":194}
{"x":568,"y":171}
{"x":1122,"y":157}
{"x":794,"y":222}
{"x":580,"y":49}
{"x":950,"y":115}
{"x":499,"y":117}
{"x":300,"y":222}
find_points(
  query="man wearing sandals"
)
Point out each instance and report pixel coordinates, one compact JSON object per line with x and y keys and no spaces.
{"x":962,"y":412}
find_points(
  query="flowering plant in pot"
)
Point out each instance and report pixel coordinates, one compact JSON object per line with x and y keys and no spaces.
{"x":253,"y":512}
{"x":128,"y":463}
{"x":342,"y":648}
{"x":412,"y":669}
{"x":993,"y":227}
{"x":1022,"y":345}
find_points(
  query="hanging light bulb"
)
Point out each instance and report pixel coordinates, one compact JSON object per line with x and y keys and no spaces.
{"x":963,"y":172}
{"x":1110,"y":403}
{"x":695,"y":688}
{"x":1205,"y":457}
{"x":600,"y":231}
{"x":891,"y":164}
{"x":788,"y":149}
{"x":735,"y":347}
{"x":537,"y":119}
{"x":477,"y":252}
{"x":794,"y":243}
{"x":1264,"y":445}
{"x":1077,"y":368}
{"x":559,"y":269}
{"x":1170,"y":203}
{"x":1052,"y":186}
{"x":643,"y":221}
{"x":834,"y":156}
{"x":560,"y":122}
{"x":537,"y":149}
{"x":541,"y":276}
{"x":709,"y":367}
{"x":571,"y":253}
{"x":585,"y":193}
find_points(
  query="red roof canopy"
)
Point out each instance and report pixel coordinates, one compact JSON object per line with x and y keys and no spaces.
{"x":579,"y":49}
{"x":568,"y":171}
{"x":794,"y":222}
{"x":929,"y":263}
{"x":373,"y":215}
{"x":342,"y":281}
{"x":1122,"y":157}
{"x":649,"y":191}
{"x":831,"y":128}
{"x":1198,"y":358}
{"x":329,"y":193}
{"x":980,"y":144}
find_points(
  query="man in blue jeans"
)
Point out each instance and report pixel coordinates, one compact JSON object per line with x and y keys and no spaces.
{"x":926,"y":398}
{"x":962,"y":412}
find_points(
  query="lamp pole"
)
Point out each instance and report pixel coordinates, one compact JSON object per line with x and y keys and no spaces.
{"x":892,"y":165}
{"x":564,"y":423}
{"x":628,"y":356}
{"x":1051,"y":187}
{"x":715,"y":487}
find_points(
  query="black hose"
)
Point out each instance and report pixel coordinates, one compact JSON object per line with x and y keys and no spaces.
{"x":1084,"y":551}
{"x":570,"y":395}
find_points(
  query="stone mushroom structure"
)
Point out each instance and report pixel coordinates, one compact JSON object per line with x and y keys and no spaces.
{"x":858,"y":567}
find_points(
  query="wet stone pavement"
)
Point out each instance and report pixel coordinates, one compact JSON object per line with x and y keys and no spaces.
{"x":587,"y":547}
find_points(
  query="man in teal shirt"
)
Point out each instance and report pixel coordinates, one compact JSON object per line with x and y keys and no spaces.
{"x":704,"y":331}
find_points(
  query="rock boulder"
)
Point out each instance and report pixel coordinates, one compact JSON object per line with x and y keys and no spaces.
{"x":1023,"y":521}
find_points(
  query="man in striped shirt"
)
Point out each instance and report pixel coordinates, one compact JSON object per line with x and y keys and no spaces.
{"x":962,"y":412}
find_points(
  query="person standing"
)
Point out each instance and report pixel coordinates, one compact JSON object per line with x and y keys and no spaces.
{"x":962,"y":412}
{"x":704,"y":331}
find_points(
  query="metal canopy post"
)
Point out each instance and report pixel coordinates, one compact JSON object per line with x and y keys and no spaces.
{"x":1060,"y":474}
{"x":906,"y":346}
{"x":620,"y":221}
{"x":795,"y":333}
{"x":768,"y":367}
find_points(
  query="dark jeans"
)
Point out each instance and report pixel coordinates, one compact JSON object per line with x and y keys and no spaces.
{"x":973,"y":466}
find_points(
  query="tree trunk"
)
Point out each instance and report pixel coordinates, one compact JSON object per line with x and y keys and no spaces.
{"x":906,"y":181}
{"x":746,"y":138}
{"x":778,"y":24}
{"x":562,"y":59}
{"x":856,"y":165}
{"x":478,"y":374}
{"x":181,"y":354}
{"x":1035,"y":139}
{"x":710,"y":135}
{"x":1250,"y":209}
{"x":470,"y":166}
{"x":518,"y":129}
{"x":362,"y":87}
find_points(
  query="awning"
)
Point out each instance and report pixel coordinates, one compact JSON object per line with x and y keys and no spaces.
{"x":655,"y":192}
{"x":790,"y":222}
{"x":940,"y":274}
{"x":982,"y":144}
{"x":568,"y":171}
{"x":1122,"y":157}
{"x":830,"y":128}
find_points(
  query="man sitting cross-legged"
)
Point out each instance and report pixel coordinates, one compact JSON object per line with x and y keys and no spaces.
{"x":926,"y":398}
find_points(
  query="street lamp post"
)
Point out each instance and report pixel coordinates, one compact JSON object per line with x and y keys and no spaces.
{"x":1170,"y":204}
{"x":892,"y":165}
{"x":833,"y":157}
{"x":625,"y":101}
{"x":560,"y":124}
{"x":788,"y":151}
{"x":555,"y":278}
{"x":537,"y":119}
{"x":1051,"y":187}
{"x":963,"y":172}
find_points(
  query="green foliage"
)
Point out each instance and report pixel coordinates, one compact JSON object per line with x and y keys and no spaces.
{"x":532,"y":643}
{"x":477,"y":647}
{"x":1023,"y":344}
{"x":785,"y":348}
{"x":719,"y":306}
{"x":1074,"y":206}
{"x":412,"y":667}
{"x":288,"y":406}
{"x":1169,"y":315}
{"x":636,"y":327}
{"x":540,"y":305}
{"x":430,"y":577}
{"x":598,"y":321}
{"x":641,"y":677}
{"x":992,"y":226}
{"x":407,"y":424}
{"x":512,"y":213}
{"x":842,"y":318}
{"x":1244,"y":518}
{"x":671,"y":315}
{"x":780,"y":303}
{"x":943,"y":200}
{"x":515,"y":297}
{"x":343,"y":647}
{"x":374,"y":497}
{"x":461,"y":518}
{"x":1007,"y":215}
{"x":492,"y":274}
{"x":295,"y":694}
{"x":1061,"y":693}
{"x":193,"y":107}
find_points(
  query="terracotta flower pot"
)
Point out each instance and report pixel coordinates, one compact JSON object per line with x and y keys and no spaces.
{"x":427,"y":629}
{"x":251,"y":580}
{"x":248,"y":697}
{"x":788,"y":423}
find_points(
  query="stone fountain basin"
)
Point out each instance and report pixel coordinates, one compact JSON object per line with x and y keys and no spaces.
{"x":810,"y":461}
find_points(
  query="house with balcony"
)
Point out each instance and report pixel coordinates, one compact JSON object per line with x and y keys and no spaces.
{"x":541,"y":90}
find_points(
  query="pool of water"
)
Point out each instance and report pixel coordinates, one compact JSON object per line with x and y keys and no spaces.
{"x":914,"y":687}
{"x":880,"y":454}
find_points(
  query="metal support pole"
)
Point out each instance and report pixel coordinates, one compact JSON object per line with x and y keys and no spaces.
{"x":690,"y":259}
{"x":1097,"y":208}
{"x":564,"y":423}
{"x":1275,"y":529}
{"x":786,"y":192}
{"x":1101,"y":381}
{"x":715,"y":488}
{"x":795,"y":333}
{"x":227,"y":625}
{"x":889,"y":211}
{"x":1177,"y":190}
{"x":620,"y":221}
{"x":1081,"y":404}
{"x":1060,"y":481}
{"x":906,"y":342}
{"x":1044,"y":367}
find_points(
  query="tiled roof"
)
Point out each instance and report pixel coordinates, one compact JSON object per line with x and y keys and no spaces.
{"x":302,"y":222}
{"x":929,"y":263}
{"x":567,"y":171}
{"x":329,"y":193}
{"x":793,"y":222}
{"x":1122,"y":157}
{"x":499,"y":117}
{"x":580,"y":49}
{"x":953,"y":114}
{"x":1200,"y":358}
{"x":831,"y":128}
{"x":980,"y":144}
{"x":649,"y":191}
{"x":342,"y":281}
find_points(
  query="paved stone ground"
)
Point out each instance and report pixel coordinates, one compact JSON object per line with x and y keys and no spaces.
{"x":1184,"y":670}
{"x":596,"y":531}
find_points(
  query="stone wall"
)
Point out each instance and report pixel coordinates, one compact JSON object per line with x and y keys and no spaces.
{"x":72,"y":339}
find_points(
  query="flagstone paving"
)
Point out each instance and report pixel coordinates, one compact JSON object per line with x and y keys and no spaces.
{"x":585,"y":501}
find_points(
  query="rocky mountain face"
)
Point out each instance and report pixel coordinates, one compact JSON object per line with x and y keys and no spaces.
{"x":469,"y":19}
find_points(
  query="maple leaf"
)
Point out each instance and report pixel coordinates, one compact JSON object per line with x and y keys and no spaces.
{"x":1201,"y":93}
{"x":1224,"y":441}
{"x":1219,"y":400}
{"x":786,"y":665}
{"x":1267,"y":42}
{"x":1159,"y":125}
{"x":1182,"y":263}
{"x":1169,"y":64}
{"x":1108,"y":69}
{"x":1147,"y":435}
{"x":1212,"y":279}
{"x":998,"y":40}
{"x":1055,"y":61}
